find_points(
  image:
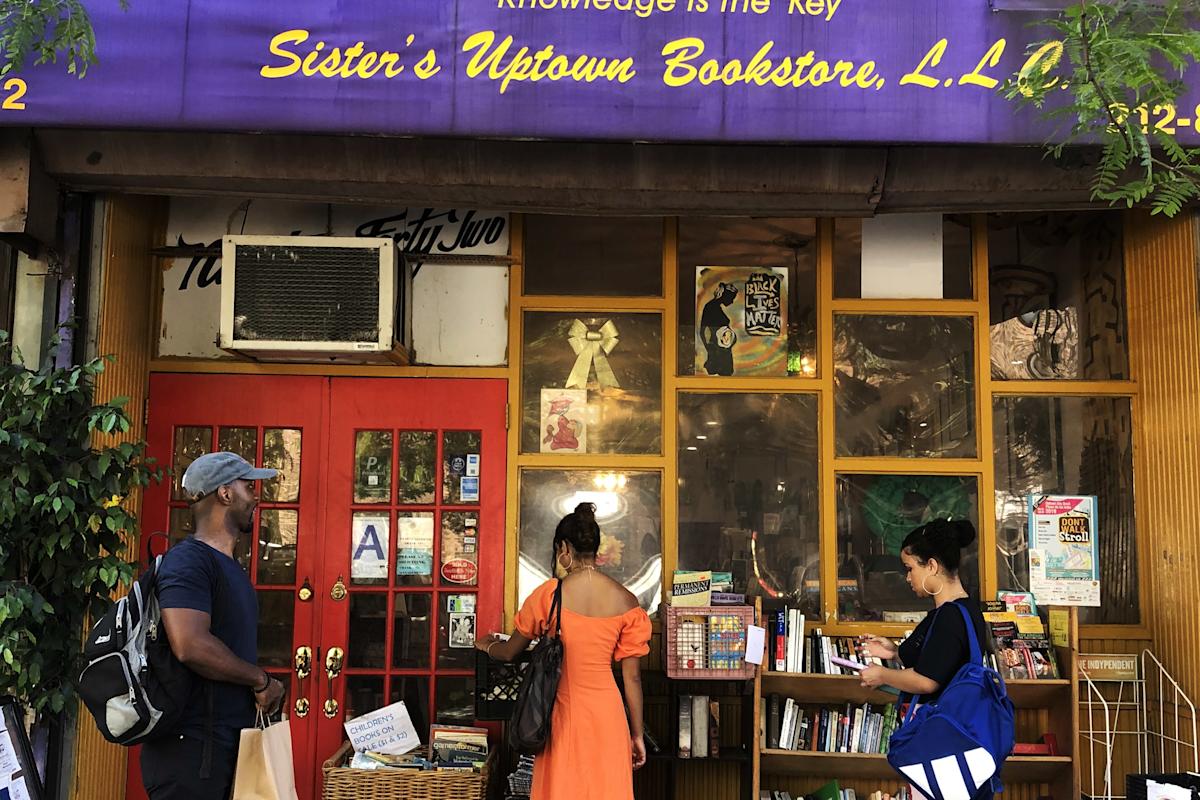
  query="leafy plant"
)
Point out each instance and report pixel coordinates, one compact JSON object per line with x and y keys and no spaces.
{"x":1120,"y":66}
{"x":47,"y":28}
{"x":63,"y":525}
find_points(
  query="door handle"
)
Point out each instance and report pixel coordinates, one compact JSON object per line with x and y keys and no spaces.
{"x":303,"y":662}
{"x":333,"y":667}
{"x":333,"y":662}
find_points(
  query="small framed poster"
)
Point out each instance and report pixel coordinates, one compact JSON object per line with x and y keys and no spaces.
{"x":462,"y":630}
{"x":563,"y":425}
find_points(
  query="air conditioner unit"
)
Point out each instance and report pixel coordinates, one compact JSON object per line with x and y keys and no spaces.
{"x":315,"y":298}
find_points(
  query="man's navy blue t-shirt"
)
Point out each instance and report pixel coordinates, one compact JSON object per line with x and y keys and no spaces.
{"x":188,"y":578}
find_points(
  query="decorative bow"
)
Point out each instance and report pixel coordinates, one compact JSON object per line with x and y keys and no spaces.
{"x":592,"y":347}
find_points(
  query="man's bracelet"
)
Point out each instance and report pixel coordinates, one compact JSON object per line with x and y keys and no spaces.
{"x":265,"y":686}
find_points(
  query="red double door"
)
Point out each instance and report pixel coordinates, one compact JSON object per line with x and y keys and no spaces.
{"x":378,"y":554}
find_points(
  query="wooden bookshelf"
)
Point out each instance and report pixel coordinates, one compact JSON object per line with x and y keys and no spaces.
{"x":1043,"y":706}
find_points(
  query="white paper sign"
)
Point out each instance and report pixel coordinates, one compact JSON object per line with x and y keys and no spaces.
{"x":8,"y":756}
{"x":1064,"y":555}
{"x":369,"y":544}
{"x":756,"y":644}
{"x":388,"y":730}
{"x":902,"y":256}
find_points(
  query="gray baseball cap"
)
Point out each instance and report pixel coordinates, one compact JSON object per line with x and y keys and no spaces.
{"x":211,"y":471}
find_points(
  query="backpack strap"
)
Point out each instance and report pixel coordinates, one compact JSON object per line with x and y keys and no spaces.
{"x":976,"y":653}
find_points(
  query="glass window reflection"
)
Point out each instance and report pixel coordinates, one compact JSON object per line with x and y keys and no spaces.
{"x":874,"y":514}
{"x":1069,"y":445}
{"x":904,"y":386}
{"x":749,"y":492}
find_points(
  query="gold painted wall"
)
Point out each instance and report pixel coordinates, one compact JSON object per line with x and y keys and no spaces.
{"x":132,"y":226}
{"x":1164,"y":325}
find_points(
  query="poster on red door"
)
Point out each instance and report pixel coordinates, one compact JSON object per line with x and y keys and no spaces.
{"x":370,"y":537}
{"x":460,"y":548}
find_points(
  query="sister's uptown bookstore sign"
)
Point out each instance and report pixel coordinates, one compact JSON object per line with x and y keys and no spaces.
{"x":660,"y":70}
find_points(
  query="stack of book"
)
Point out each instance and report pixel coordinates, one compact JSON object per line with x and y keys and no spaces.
{"x":699,"y":726}
{"x":864,"y":729}
{"x":453,"y":747}
{"x":1022,"y":649}
{"x":792,"y":650}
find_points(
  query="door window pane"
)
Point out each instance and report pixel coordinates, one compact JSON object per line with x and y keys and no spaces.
{"x":607,"y":256}
{"x":190,"y":444}
{"x":460,"y":548}
{"x":460,"y":467}
{"x":414,"y":691}
{"x":628,"y":510}
{"x":414,"y":548}
{"x":457,"y":631}
{"x":370,"y":543}
{"x":367,"y":646}
{"x":364,"y":694}
{"x":591,"y":383}
{"x":418,"y":467}
{"x":779,"y":243}
{"x":276,"y":616}
{"x":455,"y":700}
{"x":956,"y":260}
{"x":410,"y":628}
{"x":904,"y":386}
{"x":1072,"y":446}
{"x":1057,"y":296}
{"x":243,"y":441}
{"x":749,"y":492}
{"x":372,"y":466}
{"x":182,"y":525}
{"x":874,"y":514}
{"x":281,"y":451}
{"x":277,"y":535}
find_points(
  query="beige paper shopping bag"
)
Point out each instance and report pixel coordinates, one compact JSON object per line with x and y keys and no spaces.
{"x":264,"y":766}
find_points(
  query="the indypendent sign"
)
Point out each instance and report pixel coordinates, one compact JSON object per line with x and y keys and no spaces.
{"x":919,"y":71}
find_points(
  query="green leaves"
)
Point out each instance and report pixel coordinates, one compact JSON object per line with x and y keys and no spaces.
{"x":62,"y":526}
{"x":1118,"y":86}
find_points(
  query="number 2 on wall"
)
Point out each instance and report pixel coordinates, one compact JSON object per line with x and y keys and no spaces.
{"x":18,"y":88}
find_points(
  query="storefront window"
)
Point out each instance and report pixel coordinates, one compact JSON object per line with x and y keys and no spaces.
{"x":903,"y":256}
{"x":874,"y":514}
{"x":904,"y":386}
{"x":1057,"y":296}
{"x":593,"y":256}
{"x":591,"y":383}
{"x":772,"y":323}
{"x":1072,"y":446}
{"x":628,"y":510}
{"x":749,"y":493}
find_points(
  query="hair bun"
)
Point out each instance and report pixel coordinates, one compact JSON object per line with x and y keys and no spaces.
{"x":964,"y":532}
{"x":586,"y":510}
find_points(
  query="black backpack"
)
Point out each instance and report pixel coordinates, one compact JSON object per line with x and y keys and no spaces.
{"x":133,"y":685}
{"x":529,"y":729}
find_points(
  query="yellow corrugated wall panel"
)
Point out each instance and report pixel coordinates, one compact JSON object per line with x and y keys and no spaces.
{"x":1164,"y":327}
{"x":132,"y":226}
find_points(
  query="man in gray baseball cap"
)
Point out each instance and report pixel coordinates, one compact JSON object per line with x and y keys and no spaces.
{"x":210,"y":612}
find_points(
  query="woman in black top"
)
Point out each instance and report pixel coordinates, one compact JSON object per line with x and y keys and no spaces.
{"x":931,"y":556}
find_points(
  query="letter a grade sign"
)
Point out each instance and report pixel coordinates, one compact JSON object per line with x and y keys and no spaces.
{"x":369,"y":548}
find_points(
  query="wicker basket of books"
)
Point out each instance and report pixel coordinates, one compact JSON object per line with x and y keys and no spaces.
{"x":452,"y":771}
{"x":707,"y":642}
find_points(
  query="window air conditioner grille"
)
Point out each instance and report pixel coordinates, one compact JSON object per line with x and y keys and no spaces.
{"x":306,"y":294}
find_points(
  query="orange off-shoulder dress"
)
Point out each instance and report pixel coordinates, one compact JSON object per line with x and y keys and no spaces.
{"x":589,"y":755}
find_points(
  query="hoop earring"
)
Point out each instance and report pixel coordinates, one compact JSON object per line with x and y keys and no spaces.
{"x":567,"y":567}
{"x":925,"y":589}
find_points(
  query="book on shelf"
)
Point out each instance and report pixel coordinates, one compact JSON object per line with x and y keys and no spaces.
{"x":458,"y":747}
{"x":797,"y":650}
{"x":691,"y":589}
{"x":1022,"y":649}
{"x":828,"y":729}
{"x":833,"y":791}
{"x":699,"y":726}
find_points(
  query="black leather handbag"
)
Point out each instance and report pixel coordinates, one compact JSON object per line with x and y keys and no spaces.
{"x":529,"y":728}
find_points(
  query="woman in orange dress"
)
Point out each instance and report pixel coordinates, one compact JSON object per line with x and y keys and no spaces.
{"x":594,"y":746}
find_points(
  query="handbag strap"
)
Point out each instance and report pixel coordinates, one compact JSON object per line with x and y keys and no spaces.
{"x":556,"y":608}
